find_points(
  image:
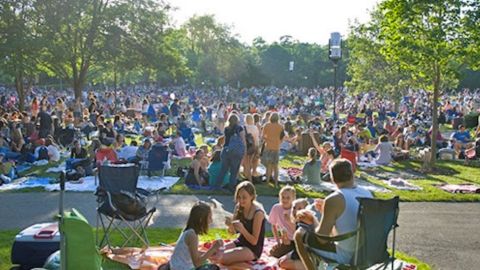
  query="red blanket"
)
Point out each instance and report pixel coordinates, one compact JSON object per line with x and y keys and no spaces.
{"x":153,"y":257}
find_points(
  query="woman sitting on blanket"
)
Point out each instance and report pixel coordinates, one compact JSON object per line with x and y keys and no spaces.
{"x":214,"y":169}
{"x":385,"y":151}
{"x":249,"y":222}
{"x":186,"y":254}
{"x":197,"y":174}
{"x":311,"y":172}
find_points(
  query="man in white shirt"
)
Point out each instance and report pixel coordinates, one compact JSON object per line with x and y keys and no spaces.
{"x":338,"y":210}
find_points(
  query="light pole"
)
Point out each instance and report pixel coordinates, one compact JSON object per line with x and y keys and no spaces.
{"x":335,"y":54}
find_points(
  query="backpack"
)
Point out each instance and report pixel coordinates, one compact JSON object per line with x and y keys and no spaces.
{"x":235,"y":145}
{"x":43,"y":153}
{"x":250,"y":143}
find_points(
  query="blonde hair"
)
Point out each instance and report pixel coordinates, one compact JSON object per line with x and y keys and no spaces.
{"x":288,"y":188}
{"x":249,"y":119}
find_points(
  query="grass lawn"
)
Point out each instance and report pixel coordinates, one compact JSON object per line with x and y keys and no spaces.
{"x":156,"y":236}
{"x":452,"y":172}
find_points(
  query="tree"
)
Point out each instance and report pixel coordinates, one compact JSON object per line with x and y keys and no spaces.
{"x":18,"y":43}
{"x":214,"y":54}
{"x":423,"y":37}
{"x":369,"y":69}
{"x":75,"y":32}
{"x":471,"y":23}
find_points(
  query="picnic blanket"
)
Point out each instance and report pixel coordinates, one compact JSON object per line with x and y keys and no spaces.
{"x":401,"y":184}
{"x":27,"y":182}
{"x":153,"y":257}
{"x":462,"y":188}
{"x":87,"y":183}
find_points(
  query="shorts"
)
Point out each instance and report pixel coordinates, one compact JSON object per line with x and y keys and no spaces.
{"x":325,"y":250}
{"x":270,"y":157}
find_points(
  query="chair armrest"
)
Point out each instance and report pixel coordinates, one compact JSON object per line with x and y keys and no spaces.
{"x":335,"y":238}
{"x":110,"y":202}
{"x":143,"y":192}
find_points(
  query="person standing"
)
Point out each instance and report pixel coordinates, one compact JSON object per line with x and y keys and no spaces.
{"x":233,"y":152}
{"x":273,"y":135}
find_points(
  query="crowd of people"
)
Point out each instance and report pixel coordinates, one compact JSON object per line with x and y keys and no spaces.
{"x":250,"y":127}
{"x":242,"y":131}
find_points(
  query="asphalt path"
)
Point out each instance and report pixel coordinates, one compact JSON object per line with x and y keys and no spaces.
{"x":444,"y":235}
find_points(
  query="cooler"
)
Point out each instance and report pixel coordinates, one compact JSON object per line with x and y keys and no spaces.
{"x":33,"y":245}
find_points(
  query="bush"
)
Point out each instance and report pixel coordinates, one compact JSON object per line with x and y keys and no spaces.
{"x":471,"y":120}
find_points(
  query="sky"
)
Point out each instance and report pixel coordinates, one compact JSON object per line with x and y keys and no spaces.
{"x":304,"y":20}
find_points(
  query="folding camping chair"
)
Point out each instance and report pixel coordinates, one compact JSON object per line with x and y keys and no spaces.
{"x":121,"y":202}
{"x":157,"y":159}
{"x":376,"y":218}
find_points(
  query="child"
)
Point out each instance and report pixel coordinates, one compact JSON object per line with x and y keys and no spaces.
{"x":249,"y":222}
{"x":282,"y":225}
{"x":302,"y":218}
{"x":186,"y":254}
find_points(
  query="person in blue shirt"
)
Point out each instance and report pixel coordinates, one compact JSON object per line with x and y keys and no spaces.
{"x":461,"y":139}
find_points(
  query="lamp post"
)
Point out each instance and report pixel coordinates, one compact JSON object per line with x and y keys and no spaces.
{"x":335,"y":54}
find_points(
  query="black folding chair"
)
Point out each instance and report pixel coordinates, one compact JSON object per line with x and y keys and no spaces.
{"x":120,"y":202}
{"x":376,"y":218}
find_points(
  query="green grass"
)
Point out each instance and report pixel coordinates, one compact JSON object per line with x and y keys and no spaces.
{"x":156,"y":237}
{"x":451,"y":172}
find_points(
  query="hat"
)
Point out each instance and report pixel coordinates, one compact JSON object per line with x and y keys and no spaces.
{"x":147,"y":140}
{"x":2,"y":154}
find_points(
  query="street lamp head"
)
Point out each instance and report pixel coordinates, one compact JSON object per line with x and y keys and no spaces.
{"x":335,"y":46}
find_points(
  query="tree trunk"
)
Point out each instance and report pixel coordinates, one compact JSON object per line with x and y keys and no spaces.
{"x":77,"y":89}
{"x":436,"y":90}
{"x":20,"y":91}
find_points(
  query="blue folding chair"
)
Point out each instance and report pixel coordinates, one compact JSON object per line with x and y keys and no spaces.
{"x":376,"y":218}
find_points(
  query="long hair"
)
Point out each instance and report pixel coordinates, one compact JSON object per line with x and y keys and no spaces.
{"x":198,"y":218}
{"x":250,"y":189}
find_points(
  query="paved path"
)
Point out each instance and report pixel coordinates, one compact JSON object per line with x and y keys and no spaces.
{"x":445,"y":235}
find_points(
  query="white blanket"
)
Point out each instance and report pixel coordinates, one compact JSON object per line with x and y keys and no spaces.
{"x":145,"y":182}
{"x":88,"y":183}
{"x":402,"y":184}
